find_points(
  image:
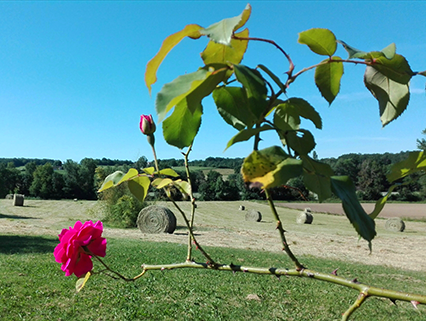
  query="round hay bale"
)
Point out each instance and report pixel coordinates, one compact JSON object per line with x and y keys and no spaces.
{"x":156,"y":219}
{"x":395,"y":224}
{"x":9,"y":197}
{"x":254,"y":216}
{"x":307,"y":210}
{"x":304,"y":218}
{"x":241,"y":208}
{"x":18,"y":200}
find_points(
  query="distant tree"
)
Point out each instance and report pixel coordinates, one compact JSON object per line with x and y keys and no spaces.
{"x":421,"y":143}
{"x":142,"y":162}
{"x":42,"y":185}
{"x":372,"y":179}
{"x":9,"y":179}
{"x":348,"y":167}
{"x":79,"y":179}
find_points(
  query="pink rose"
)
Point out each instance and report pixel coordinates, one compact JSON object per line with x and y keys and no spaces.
{"x":70,"y":252}
{"x":147,"y":125}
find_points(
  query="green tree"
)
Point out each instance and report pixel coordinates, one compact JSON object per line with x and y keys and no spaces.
{"x":421,"y":143}
{"x":42,"y":185}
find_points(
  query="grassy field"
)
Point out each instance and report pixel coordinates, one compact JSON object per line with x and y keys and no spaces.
{"x":33,"y":287}
{"x":223,"y":171}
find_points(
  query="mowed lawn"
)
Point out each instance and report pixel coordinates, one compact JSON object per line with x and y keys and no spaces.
{"x":32,"y":286}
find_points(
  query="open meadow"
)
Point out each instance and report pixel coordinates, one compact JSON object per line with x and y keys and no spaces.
{"x":32,"y":286}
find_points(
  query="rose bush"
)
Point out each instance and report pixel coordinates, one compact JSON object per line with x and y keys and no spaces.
{"x":77,"y":246}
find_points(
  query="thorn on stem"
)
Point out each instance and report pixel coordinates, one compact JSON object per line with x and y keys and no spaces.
{"x":355,"y":281}
{"x":335,"y":272}
{"x":415,"y":304}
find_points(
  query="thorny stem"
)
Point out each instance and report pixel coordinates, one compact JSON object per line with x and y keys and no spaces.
{"x":281,"y":231}
{"x":106,"y":266}
{"x":191,"y":234}
{"x":256,"y":139}
{"x":364,"y":290}
{"x":155,"y":158}
{"x":361,"y":298}
{"x":191,"y":219}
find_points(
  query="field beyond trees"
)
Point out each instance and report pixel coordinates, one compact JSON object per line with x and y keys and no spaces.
{"x":223,"y":224}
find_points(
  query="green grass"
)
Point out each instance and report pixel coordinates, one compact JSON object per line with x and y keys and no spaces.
{"x":32,"y":287}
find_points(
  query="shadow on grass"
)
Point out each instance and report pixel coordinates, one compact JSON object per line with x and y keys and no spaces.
{"x":16,"y":217}
{"x":15,"y":244}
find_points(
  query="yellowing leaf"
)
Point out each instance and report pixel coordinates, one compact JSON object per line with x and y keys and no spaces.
{"x":161,"y":182}
{"x":219,"y":53}
{"x":81,"y":282}
{"x":139,"y":186}
{"x":183,"y":186}
{"x":117,"y":178}
{"x":149,"y":170}
{"x":270,"y":167}
{"x":192,"y":31}
{"x":168,"y":172}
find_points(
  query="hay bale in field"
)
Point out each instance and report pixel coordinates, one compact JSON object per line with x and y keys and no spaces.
{"x":156,"y":219}
{"x":305,"y":217}
{"x":395,"y":224}
{"x":254,"y":216}
{"x":18,"y":200}
{"x":9,"y":197}
{"x":241,"y":208}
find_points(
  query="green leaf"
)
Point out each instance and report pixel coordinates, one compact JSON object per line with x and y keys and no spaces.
{"x":229,"y":102}
{"x":416,"y":161}
{"x":316,"y":176}
{"x":353,"y":52}
{"x":192,"y":31}
{"x":218,"y":53}
{"x":273,"y":77}
{"x":289,"y":112}
{"x":255,"y":87}
{"x":301,"y":141}
{"x":193,"y":87}
{"x":246,"y":134}
{"x":161,"y":182}
{"x":139,"y":186}
{"x":81,"y":281}
{"x":270,"y":167}
{"x":393,"y":97}
{"x":321,"y":41}
{"x":344,"y":189}
{"x":221,"y":32}
{"x":181,"y":127}
{"x":327,"y":78}
{"x":168,"y":172}
{"x":389,"y":51}
{"x":117,"y":178}
{"x":397,"y":68}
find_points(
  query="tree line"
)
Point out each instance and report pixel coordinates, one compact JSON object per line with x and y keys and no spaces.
{"x":54,"y":179}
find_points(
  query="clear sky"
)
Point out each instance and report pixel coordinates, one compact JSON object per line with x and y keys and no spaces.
{"x":72,"y":73}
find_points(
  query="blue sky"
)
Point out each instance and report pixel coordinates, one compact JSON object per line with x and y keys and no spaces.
{"x":72,"y":73}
